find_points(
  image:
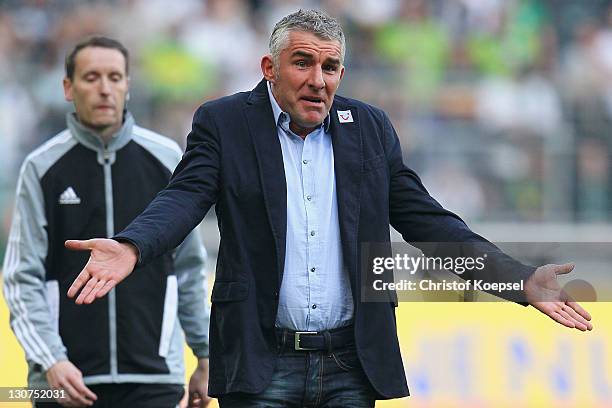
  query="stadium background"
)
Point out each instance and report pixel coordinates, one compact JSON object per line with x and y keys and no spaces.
{"x":503,"y":107}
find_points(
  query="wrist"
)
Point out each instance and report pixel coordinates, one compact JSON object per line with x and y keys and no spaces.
{"x":132,"y":250}
{"x":129,"y":247}
{"x":58,"y":359}
{"x":203,"y":363}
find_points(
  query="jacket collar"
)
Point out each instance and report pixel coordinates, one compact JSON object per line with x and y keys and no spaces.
{"x":92,"y":140}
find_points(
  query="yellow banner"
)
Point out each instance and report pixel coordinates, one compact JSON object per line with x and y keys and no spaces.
{"x":465,"y":355}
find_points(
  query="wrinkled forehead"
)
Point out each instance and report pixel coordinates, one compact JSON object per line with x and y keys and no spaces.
{"x":299,"y":41}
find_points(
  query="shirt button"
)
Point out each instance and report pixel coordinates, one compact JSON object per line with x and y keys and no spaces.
{"x":313,"y":269}
{"x":305,"y":161}
{"x":309,"y":198}
{"x":314,"y":306}
{"x":312,"y":233}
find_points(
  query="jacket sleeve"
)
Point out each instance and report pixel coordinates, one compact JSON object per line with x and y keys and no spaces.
{"x":193,"y":310}
{"x":424,"y":223}
{"x":192,"y":190}
{"x":33,"y":315}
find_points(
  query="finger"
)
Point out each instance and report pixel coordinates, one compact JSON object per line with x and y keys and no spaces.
{"x":565,"y":268}
{"x":87,"y":289}
{"x":96,"y":289}
{"x":576,"y":323}
{"x":72,"y":393}
{"x":74,"y":404}
{"x":78,"y":283}
{"x":195,"y":401}
{"x":66,"y":401}
{"x":106,"y":288}
{"x":562,"y":320}
{"x":80,"y":396}
{"x":577,"y":317}
{"x":579,"y":309}
{"x":78,"y":245}
{"x":94,"y":292}
{"x":84,"y":390}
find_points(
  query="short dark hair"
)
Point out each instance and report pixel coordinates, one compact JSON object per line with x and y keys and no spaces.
{"x":95,"y":41}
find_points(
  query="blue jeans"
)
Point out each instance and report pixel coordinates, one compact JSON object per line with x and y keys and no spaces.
{"x":311,"y":379}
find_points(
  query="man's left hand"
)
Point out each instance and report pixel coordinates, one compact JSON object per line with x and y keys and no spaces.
{"x":198,"y":386}
{"x":544,"y":293}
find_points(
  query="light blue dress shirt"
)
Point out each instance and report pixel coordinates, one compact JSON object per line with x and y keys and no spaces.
{"x":315,"y":294}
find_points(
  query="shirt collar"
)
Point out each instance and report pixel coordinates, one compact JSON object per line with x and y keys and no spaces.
{"x":281,"y":117}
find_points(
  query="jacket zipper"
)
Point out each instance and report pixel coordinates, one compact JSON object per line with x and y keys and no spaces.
{"x":110,"y":231}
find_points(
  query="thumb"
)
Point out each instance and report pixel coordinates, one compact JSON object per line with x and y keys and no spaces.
{"x":76,"y":245}
{"x":195,"y":400}
{"x":565,"y":268}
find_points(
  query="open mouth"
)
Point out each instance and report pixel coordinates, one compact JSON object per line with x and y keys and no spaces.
{"x":312,"y":99}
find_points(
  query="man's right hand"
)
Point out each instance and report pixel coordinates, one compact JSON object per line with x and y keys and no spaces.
{"x":109,"y":263}
{"x":64,"y":375}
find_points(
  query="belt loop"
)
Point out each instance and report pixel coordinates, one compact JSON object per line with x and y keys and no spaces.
{"x":328,"y":343}
{"x":284,"y":340}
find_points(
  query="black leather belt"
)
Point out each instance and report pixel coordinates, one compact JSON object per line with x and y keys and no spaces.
{"x":316,"y":341}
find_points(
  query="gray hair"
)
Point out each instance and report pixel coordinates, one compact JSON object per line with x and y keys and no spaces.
{"x":310,"y":21}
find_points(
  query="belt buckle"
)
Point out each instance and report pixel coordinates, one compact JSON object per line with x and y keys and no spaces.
{"x":298,"y":336}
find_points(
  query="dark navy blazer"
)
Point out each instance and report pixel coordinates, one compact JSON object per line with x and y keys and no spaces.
{"x":233,"y":160}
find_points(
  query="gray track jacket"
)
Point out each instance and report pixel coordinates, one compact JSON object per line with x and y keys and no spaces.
{"x":73,"y":187}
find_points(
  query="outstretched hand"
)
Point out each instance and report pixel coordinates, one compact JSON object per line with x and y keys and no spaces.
{"x":109,"y":263}
{"x":544,"y":293}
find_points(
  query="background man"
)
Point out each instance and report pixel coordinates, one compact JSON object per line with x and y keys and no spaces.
{"x":301,"y":178}
{"x":91,"y":180}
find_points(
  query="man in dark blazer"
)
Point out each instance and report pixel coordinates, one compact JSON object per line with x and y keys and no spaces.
{"x":302,"y":180}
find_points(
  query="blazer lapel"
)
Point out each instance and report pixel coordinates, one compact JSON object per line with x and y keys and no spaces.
{"x":271,"y":170}
{"x":346,"y":141}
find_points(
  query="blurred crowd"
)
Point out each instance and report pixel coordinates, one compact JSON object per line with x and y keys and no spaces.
{"x":502,"y":106}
